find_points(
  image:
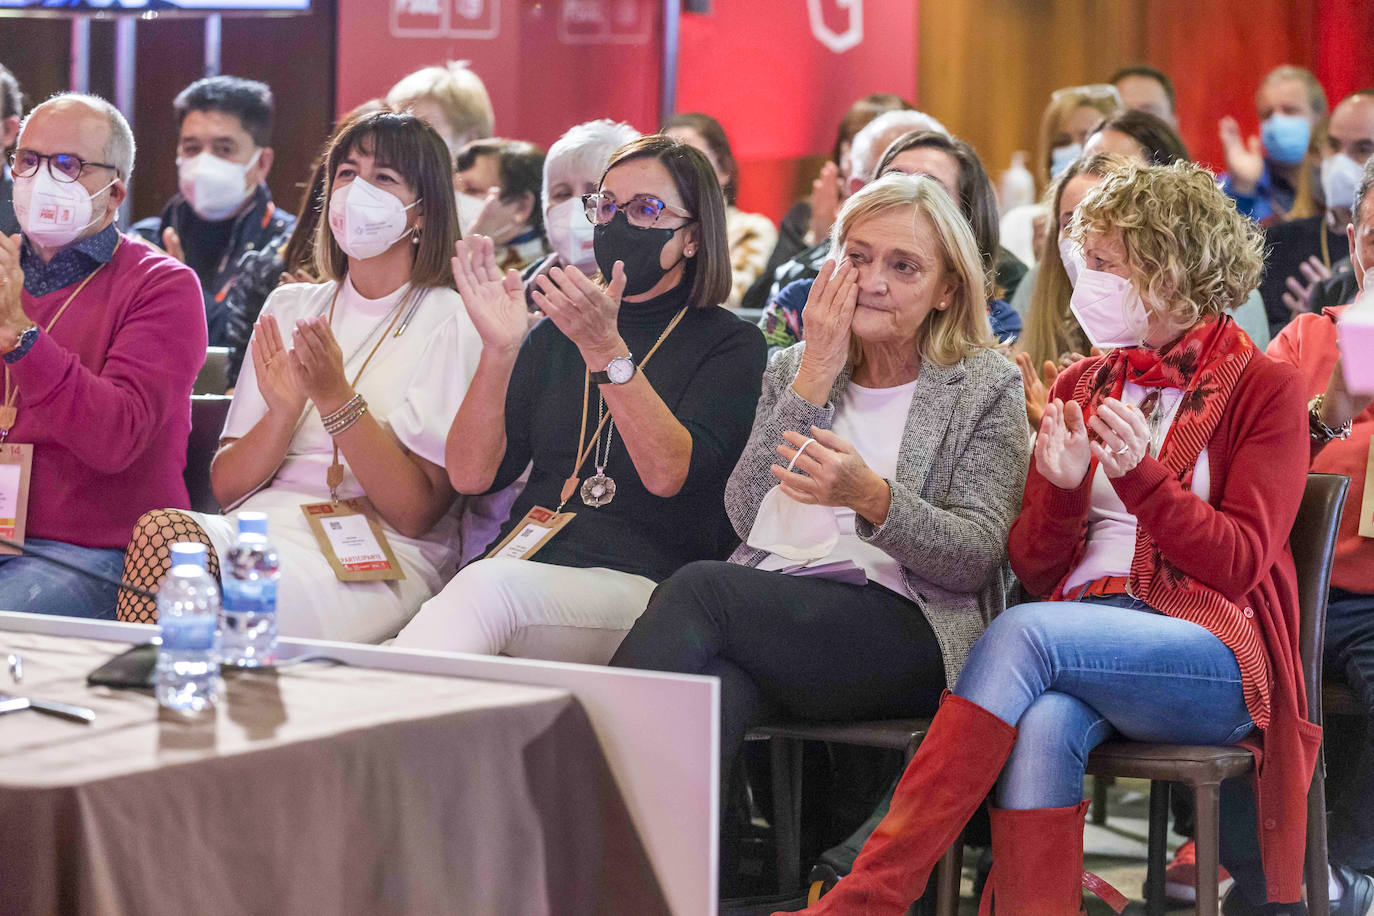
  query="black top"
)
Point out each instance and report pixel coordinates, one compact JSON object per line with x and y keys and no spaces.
{"x":9,"y":225}
{"x":1287,"y":246}
{"x":708,"y":372}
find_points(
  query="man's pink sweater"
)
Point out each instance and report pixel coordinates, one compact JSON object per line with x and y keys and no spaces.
{"x":106,"y":397}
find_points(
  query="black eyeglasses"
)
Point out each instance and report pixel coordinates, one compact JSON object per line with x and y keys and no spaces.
{"x":641,"y":210}
{"x":61,"y":166}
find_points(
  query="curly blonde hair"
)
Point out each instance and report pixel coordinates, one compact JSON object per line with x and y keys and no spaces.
{"x":1189,"y":253}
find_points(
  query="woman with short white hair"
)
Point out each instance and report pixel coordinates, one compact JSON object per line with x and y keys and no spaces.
{"x":875,"y":494}
{"x":572,"y":168}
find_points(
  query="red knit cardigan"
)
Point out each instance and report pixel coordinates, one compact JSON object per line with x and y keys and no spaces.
{"x":1236,"y":543}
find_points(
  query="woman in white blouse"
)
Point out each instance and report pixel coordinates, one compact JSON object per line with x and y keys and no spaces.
{"x":347,"y":399}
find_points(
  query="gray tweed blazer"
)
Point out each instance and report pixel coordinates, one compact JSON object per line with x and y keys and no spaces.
{"x":960,"y":473}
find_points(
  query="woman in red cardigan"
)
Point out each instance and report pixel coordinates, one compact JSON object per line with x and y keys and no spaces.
{"x":1167,"y":475}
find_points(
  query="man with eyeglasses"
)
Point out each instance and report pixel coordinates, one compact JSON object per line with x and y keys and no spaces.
{"x":102,"y":336}
{"x":10,"y":110}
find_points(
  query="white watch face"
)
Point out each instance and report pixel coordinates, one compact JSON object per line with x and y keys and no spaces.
{"x":621,"y":370}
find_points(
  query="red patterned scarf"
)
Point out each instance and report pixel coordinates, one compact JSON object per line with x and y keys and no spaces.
{"x":1204,"y":364}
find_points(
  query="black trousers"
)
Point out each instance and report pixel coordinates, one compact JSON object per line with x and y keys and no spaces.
{"x":782,"y":645}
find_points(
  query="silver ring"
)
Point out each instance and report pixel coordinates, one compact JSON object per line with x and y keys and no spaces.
{"x":1123,"y":450}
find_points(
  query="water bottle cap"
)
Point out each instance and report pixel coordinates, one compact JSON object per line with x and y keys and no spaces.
{"x":188,"y":553}
{"x":252,"y":523}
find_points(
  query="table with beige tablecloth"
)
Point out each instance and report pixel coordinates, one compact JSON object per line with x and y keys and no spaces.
{"x":317,"y":790}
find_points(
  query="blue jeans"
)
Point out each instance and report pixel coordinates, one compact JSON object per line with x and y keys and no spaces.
{"x":38,"y":587}
{"x":1070,"y":674}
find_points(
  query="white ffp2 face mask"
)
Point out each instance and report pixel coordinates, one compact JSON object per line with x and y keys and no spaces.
{"x":572,"y":234}
{"x":53,"y":213}
{"x":1109,"y":310}
{"x":214,"y":187}
{"x":469,"y":208}
{"x":366,"y":220}
{"x":791,"y":529}
{"x":1340,"y":176}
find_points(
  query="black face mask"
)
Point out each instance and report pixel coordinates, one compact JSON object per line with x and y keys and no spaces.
{"x":640,"y":249}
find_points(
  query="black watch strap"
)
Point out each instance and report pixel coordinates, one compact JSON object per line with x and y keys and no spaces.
{"x":600,"y":377}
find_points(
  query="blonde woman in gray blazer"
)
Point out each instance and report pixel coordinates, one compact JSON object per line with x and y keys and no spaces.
{"x":913,"y":452}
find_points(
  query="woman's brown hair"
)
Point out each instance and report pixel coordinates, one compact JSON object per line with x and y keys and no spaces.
{"x":402,"y":142}
{"x":701,"y":196}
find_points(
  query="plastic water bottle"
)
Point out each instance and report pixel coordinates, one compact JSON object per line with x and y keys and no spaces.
{"x":250,"y":595}
{"x":1018,"y":184}
{"x":188,"y":616}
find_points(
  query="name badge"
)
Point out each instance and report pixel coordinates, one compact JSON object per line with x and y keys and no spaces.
{"x":535,"y":530}
{"x":352,"y":540}
{"x":1367,"y":504}
{"x":16,"y":461}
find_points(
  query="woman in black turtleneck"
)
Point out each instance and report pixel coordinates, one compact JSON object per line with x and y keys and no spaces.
{"x":646,"y":496}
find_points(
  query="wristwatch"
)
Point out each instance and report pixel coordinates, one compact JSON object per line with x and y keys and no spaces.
{"x":617,"y":372}
{"x":27,"y":338}
{"x":1319,"y":430}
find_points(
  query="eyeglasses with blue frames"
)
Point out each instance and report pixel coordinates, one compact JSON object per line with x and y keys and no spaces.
{"x":61,"y":166}
{"x":641,"y":210}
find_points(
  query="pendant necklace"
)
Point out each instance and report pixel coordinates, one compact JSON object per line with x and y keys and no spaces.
{"x":598,"y":489}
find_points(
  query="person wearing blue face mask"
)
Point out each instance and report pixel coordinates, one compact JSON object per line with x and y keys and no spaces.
{"x":1264,"y":173}
{"x":1306,"y":252}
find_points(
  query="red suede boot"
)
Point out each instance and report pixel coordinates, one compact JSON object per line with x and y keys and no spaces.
{"x":953,"y":769}
{"x":1037,"y":864}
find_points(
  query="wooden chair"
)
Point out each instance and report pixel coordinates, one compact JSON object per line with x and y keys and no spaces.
{"x":786,"y":752}
{"x":1203,"y":767}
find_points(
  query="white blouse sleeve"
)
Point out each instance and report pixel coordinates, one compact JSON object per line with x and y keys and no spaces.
{"x":422,"y":420}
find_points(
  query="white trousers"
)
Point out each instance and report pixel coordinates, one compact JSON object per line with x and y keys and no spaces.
{"x":530,"y":610}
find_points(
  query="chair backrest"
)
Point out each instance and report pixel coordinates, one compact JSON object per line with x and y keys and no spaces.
{"x":1313,"y":542}
{"x":208,"y":412}
{"x":213,"y":377}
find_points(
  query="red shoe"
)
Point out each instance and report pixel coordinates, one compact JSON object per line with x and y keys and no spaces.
{"x":953,"y":769}
{"x":1037,"y":864}
{"x":1180,"y":876}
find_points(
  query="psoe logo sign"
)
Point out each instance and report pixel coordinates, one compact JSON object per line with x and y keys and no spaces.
{"x":849,"y":11}
{"x":445,"y":18}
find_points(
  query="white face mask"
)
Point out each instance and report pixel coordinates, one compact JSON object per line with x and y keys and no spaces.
{"x":53,"y":213}
{"x":214,"y":187}
{"x":1340,"y":180}
{"x":1109,"y":310}
{"x":366,"y":220}
{"x":1071,"y":254}
{"x":1061,"y":157}
{"x":791,"y":529}
{"x":469,"y":206}
{"x":571,"y":234}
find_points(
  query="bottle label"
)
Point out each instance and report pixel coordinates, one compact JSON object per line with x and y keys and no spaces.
{"x":189,"y":634}
{"x":250,"y":596}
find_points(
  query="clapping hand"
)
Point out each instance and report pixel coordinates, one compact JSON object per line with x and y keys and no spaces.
{"x":825,"y":202}
{"x":1037,"y":387}
{"x":13,"y":321}
{"x":1244,"y":158}
{"x":584,"y":312}
{"x":276,"y":376}
{"x":1340,"y":405}
{"x":1125,"y":437}
{"x":1298,"y":297}
{"x":1061,"y":448}
{"x":318,"y":362}
{"x":495,"y":303}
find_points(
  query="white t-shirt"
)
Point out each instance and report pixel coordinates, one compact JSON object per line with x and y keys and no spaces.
{"x":873,"y":420}
{"x":1111,"y":529}
{"x":413,"y":385}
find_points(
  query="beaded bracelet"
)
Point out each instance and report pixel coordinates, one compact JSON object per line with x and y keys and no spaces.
{"x":338,"y":425}
{"x":348,"y":406}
